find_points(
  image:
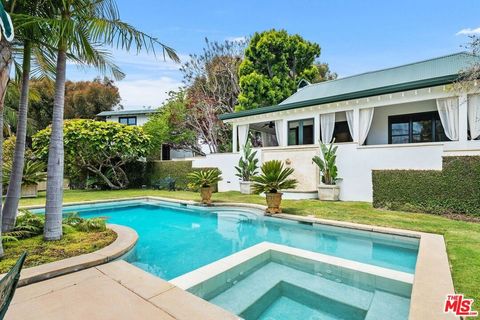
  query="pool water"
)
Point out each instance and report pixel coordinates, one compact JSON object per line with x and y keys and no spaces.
{"x":175,"y":239}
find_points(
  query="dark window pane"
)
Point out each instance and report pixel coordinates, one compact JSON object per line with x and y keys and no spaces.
{"x":132,"y":121}
{"x":293,"y":133}
{"x":400,"y":139}
{"x":440,"y":132}
{"x":400,"y":128}
{"x":341,"y":132}
{"x":123,"y":120}
{"x":422,"y":131}
{"x":308,"y":134}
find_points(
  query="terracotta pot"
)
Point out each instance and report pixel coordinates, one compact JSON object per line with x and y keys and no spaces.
{"x":206,"y":193}
{"x":273,"y":202}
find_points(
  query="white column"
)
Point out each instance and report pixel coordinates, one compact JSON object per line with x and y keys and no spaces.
{"x":316,"y":129}
{"x":285,"y":133}
{"x":356,"y":124}
{"x":235,"y":138}
{"x":463,"y":117}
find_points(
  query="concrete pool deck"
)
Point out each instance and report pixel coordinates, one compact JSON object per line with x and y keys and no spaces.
{"x":116,"y":290}
{"x":432,"y":280}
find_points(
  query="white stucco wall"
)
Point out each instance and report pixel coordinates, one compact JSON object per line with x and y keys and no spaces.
{"x":225,"y":162}
{"x":379,"y":130}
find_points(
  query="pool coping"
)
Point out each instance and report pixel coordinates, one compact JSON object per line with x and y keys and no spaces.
{"x":432,"y":281}
{"x":126,"y":240}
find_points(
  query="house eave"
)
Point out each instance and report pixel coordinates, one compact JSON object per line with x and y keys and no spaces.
{"x":420,"y":84}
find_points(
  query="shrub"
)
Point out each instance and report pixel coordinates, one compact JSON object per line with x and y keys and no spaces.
{"x":327,"y":163}
{"x":158,"y":171}
{"x":205,"y":178}
{"x":454,"y":189}
{"x":248,"y":164}
{"x":273,"y":177}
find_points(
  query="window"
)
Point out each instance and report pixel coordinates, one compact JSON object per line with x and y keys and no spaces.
{"x":300,"y":132}
{"x":129,"y":121}
{"x":341,"y":132}
{"x":417,"y":127}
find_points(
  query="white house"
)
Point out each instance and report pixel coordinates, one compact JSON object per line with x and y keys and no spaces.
{"x":139,"y":117}
{"x":405,"y":117}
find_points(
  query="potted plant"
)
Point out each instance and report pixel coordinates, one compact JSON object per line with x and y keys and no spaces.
{"x":33,"y":173}
{"x":273,"y":178}
{"x":205,"y":180}
{"x":247,"y":168}
{"x":328,"y":188}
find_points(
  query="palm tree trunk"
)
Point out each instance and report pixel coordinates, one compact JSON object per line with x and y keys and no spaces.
{"x":5,"y":62}
{"x":15,"y":183}
{"x":53,"y":207}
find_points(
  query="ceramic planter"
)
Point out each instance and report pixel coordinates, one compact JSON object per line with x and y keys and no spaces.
{"x":29,"y":191}
{"x":273,"y":202}
{"x":206,"y":193}
{"x":246,"y":187}
{"x":328,"y":192}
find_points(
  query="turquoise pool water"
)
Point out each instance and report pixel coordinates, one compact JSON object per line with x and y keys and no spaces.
{"x":176,"y":239}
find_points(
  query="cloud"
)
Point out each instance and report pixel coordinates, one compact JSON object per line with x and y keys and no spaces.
{"x":468,"y":31}
{"x":148,"y":92}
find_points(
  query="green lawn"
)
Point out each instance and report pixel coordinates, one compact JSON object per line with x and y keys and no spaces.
{"x":462,"y":238}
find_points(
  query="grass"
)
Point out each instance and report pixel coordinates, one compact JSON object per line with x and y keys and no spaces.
{"x":72,"y":244}
{"x":462,"y":238}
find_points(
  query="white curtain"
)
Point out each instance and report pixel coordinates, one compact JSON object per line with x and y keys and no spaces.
{"x":279,"y":131}
{"x":448,"y":111}
{"x":242,"y":135}
{"x":327,"y":124}
{"x":349,"y":114}
{"x":474,"y":116}
{"x":365,"y":121}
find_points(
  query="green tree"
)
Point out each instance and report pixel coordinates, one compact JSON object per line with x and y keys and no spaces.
{"x":170,"y":126}
{"x":274,"y":63}
{"x":101,"y":148}
{"x":77,"y":27}
{"x":86,"y":99}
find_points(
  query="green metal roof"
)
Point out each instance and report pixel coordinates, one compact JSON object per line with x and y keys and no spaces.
{"x":126,"y":112}
{"x":417,"y":75}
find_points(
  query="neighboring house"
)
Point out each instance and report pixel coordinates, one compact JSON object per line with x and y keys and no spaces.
{"x":406,"y":117}
{"x":138,"y":118}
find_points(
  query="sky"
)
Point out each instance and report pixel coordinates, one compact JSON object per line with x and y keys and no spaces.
{"x":355,"y":36}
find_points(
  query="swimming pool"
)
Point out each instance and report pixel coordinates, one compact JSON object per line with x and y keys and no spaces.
{"x":175,"y":239}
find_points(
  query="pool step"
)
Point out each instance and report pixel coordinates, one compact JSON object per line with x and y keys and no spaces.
{"x":247,"y":291}
{"x":385,"y":305}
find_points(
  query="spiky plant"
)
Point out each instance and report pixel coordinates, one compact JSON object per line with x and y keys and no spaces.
{"x":205,"y":178}
{"x":273,"y":177}
{"x":327,"y":163}
{"x":248,"y":163}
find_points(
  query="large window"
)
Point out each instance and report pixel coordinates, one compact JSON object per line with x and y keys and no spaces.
{"x":130,"y":121}
{"x":300,"y":132}
{"x":414,"y":128}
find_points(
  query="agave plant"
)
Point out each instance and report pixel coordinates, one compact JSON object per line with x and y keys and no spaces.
{"x":327,"y":163}
{"x":33,"y":172}
{"x":273,"y":177}
{"x":205,"y":178}
{"x":248,"y":164}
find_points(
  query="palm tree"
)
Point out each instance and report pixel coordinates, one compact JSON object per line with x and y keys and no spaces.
{"x":79,"y":26}
{"x":32,"y":36}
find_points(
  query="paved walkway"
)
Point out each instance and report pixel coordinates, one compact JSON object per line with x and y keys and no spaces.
{"x":117,"y":290}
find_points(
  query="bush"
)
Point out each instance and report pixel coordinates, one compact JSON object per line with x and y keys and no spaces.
{"x":160,"y":171}
{"x":455,"y":189}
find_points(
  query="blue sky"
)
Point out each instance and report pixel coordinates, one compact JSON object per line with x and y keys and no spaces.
{"x":355,"y":36}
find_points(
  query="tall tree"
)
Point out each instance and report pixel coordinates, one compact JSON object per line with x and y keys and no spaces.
{"x":212,"y":89}
{"x":77,"y":26}
{"x":86,"y":99}
{"x":274,"y":63}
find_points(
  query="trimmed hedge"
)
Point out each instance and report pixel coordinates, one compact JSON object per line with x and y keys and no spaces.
{"x":454,"y":189}
{"x":178,"y":170}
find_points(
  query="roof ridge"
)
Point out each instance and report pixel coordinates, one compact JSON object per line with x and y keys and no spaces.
{"x":395,"y":67}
